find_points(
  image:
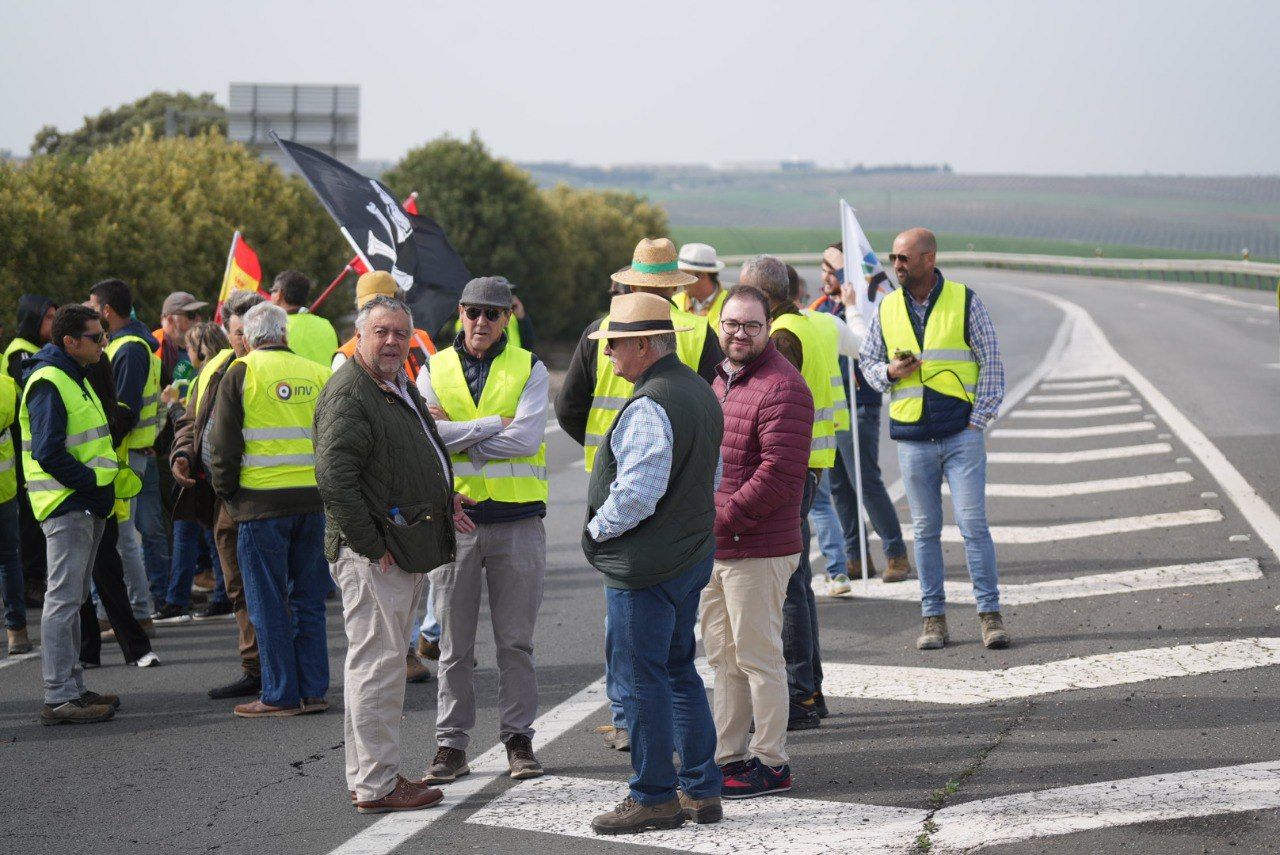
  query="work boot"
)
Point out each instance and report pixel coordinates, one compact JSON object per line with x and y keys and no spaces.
{"x":520,"y":760}
{"x":803,"y":715}
{"x":204,"y":582}
{"x":449,"y":765}
{"x":935,"y":633}
{"x":820,"y":704}
{"x":631,"y":817}
{"x":95,"y":699}
{"x":19,"y":643}
{"x":312,"y":706}
{"x":405,"y":795}
{"x":853,"y":567}
{"x":415,"y":671}
{"x":899,"y":570}
{"x":75,"y":712}
{"x":701,"y":811}
{"x":616,"y":738}
{"x":248,"y":686}
{"x":428,"y":649}
{"x":994,"y":636}
{"x":838,"y":585}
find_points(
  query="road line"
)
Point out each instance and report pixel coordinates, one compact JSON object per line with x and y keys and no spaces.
{"x":1022,"y":534}
{"x":1083,"y":488}
{"x":1077,"y":398}
{"x":1081,"y":384}
{"x":21,"y":657}
{"x":959,"y":686}
{"x":394,"y":829}
{"x":1106,"y":804}
{"x":1072,"y":433}
{"x":1184,"y":291}
{"x":1099,"y":585}
{"x":565,"y":806}
{"x":1085,"y":412}
{"x":1066,"y":457}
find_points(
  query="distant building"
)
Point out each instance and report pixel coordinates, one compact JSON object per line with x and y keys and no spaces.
{"x":326,"y":118}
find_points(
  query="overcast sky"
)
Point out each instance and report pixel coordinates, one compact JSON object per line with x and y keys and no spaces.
{"x":1027,"y":86}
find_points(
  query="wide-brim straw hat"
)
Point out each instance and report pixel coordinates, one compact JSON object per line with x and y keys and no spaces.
{"x":635,"y":315}
{"x":654,"y":265}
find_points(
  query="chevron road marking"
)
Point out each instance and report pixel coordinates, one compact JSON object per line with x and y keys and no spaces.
{"x":1084,"y":488}
{"x":1016,"y":534}
{"x":1071,"y":433}
{"x":1076,"y":414}
{"x":1068,"y":457}
{"x":1082,"y":396}
{"x":1080,"y":384}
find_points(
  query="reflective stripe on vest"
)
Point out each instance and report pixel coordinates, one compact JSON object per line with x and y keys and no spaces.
{"x":612,"y":392}
{"x":88,"y":440}
{"x":8,"y":412}
{"x":280,"y":393}
{"x":816,"y":370}
{"x":145,"y":431}
{"x":712,"y":317}
{"x":948,"y":365}
{"x":515,"y":479}
{"x":207,"y":371}
{"x":827,"y":325}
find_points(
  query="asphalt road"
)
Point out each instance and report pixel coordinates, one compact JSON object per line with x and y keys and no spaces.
{"x":1173,"y":750}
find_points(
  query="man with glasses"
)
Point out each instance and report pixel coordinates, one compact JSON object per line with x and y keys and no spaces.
{"x":933,"y":347}
{"x":489,"y":400}
{"x":70,"y":466}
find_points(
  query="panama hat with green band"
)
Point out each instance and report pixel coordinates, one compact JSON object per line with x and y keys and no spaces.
{"x":654,"y":265}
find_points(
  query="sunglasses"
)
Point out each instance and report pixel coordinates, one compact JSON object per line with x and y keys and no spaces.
{"x":96,"y":338}
{"x":491,"y":314}
{"x":895,"y":257}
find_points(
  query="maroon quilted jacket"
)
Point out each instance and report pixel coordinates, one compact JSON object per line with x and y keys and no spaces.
{"x":768,"y":422}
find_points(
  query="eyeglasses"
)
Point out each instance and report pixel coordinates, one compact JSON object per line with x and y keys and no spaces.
{"x":96,"y":338}
{"x":491,"y":314}
{"x":751,"y":328}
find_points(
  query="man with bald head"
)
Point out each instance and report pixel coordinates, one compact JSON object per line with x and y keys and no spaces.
{"x":933,"y":348}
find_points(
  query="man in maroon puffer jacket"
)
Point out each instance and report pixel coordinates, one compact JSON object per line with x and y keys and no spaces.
{"x":768,"y":422}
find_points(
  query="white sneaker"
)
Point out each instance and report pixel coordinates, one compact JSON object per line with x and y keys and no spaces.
{"x":838,"y":586}
{"x":148,"y":660}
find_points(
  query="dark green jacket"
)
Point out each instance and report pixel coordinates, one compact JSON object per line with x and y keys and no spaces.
{"x":371,"y":456}
{"x":680,"y":533}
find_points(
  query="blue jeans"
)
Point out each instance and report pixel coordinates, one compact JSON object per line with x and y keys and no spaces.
{"x":612,"y":690}
{"x":875,"y":498}
{"x":962,"y":460}
{"x":148,"y":518}
{"x":650,"y":645}
{"x":188,"y":538}
{"x":825,"y":523}
{"x":15,"y":605}
{"x":430,"y":627}
{"x":800,"y":646}
{"x":286,"y":579}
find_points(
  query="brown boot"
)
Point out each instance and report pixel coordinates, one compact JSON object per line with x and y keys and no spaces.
{"x":405,"y":795}
{"x":204,"y":582}
{"x":19,"y":643}
{"x":95,"y":699}
{"x":631,"y":817}
{"x":935,"y":633}
{"x":521,"y":763}
{"x":853,"y":567}
{"x":415,"y":671}
{"x":994,"y":636}
{"x":428,"y":649}
{"x":701,"y":811}
{"x":449,"y":765}
{"x":75,"y":712}
{"x":899,"y":570}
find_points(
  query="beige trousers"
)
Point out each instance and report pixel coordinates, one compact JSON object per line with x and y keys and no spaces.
{"x":378,"y":610}
{"x":742,"y":631}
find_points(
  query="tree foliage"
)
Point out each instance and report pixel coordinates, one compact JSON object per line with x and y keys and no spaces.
{"x":192,"y":115}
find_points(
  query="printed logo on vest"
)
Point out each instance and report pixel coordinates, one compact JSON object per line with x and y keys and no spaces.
{"x":296,"y":391}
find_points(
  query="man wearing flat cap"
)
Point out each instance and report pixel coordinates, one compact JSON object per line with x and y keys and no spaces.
{"x":489,"y":399}
{"x":649,"y":530}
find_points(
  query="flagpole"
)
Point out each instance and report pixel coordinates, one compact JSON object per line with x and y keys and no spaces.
{"x":226,"y":271}
{"x":853,"y":411}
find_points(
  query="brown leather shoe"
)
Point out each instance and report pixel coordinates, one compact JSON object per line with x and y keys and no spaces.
{"x":428,"y":649}
{"x":415,"y":671}
{"x":701,"y":811}
{"x":204,"y":582}
{"x":616,"y":738}
{"x":449,"y":765}
{"x":631,"y":817}
{"x":853,"y":567}
{"x":899,"y":570}
{"x":994,"y":636}
{"x":935,"y":634}
{"x":19,"y":643}
{"x":75,"y":712}
{"x":521,"y":763}
{"x":257,"y":709}
{"x":314,"y":705}
{"x":108,"y":699}
{"x":405,"y":795}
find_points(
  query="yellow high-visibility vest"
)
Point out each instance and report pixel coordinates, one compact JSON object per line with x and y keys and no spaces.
{"x":712,"y":316}
{"x":817,"y":375}
{"x":18,"y":345}
{"x":280,"y":393}
{"x":827,"y":325}
{"x":948,"y":365}
{"x":514,"y":479}
{"x":8,"y":461}
{"x":312,"y":337}
{"x":144,"y":433}
{"x":207,"y":371}
{"x":612,"y":392}
{"x":88,"y":440}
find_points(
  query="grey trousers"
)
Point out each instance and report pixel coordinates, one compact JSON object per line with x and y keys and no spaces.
{"x":509,"y":560}
{"x":71,"y":543}
{"x":378,"y":612}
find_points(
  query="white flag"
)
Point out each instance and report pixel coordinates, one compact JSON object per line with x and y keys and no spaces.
{"x":869,"y":277}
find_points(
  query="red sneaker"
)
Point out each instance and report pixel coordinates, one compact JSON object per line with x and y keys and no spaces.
{"x":756,"y":779}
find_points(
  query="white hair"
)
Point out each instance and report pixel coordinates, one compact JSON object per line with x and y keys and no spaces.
{"x":663,"y":343}
{"x":265,"y":323}
{"x":390,"y":304}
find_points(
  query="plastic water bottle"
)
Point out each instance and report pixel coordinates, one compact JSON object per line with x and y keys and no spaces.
{"x":397,"y":517}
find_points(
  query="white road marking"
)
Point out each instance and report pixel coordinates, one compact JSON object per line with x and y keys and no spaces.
{"x":1106,"y":804}
{"x":21,"y":657}
{"x":1084,"y":488}
{"x":394,"y":829}
{"x":1066,"y":457}
{"x":1020,"y":534}
{"x":1051,"y":590}
{"x":1076,"y":398}
{"x":1071,"y":433}
{"x":1083,"y":412}
{"x":1211,"y":297}
{"x":1082,"y":384}
{"x":960,"y":686}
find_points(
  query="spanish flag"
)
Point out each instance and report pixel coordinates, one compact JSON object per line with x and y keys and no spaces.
{"x":244,"y":272}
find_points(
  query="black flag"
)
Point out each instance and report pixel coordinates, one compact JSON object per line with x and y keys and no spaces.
{"x":440,"y":275}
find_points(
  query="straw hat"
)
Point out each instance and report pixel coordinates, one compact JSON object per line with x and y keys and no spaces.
{"x":634,"y":315}
{"x":653,"y":265}
{"x":700,"y":258}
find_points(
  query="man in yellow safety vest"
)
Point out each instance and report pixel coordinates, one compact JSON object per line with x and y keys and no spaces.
{"x":310,"y":336}
{"x":704,"y":297}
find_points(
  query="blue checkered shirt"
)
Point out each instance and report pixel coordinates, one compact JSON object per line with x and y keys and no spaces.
{"x":982,"y":338}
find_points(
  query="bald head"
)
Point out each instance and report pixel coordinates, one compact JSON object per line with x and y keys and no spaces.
{"x":920,"y":240}
{"x":915,"y":252}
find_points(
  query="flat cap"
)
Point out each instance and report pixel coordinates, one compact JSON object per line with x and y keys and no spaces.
{"x":487,"y":291}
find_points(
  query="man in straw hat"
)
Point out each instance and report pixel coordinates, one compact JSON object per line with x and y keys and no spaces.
{"x":704,"y":298}
{"x":592,"y":393}
{"x":650,"y":518}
